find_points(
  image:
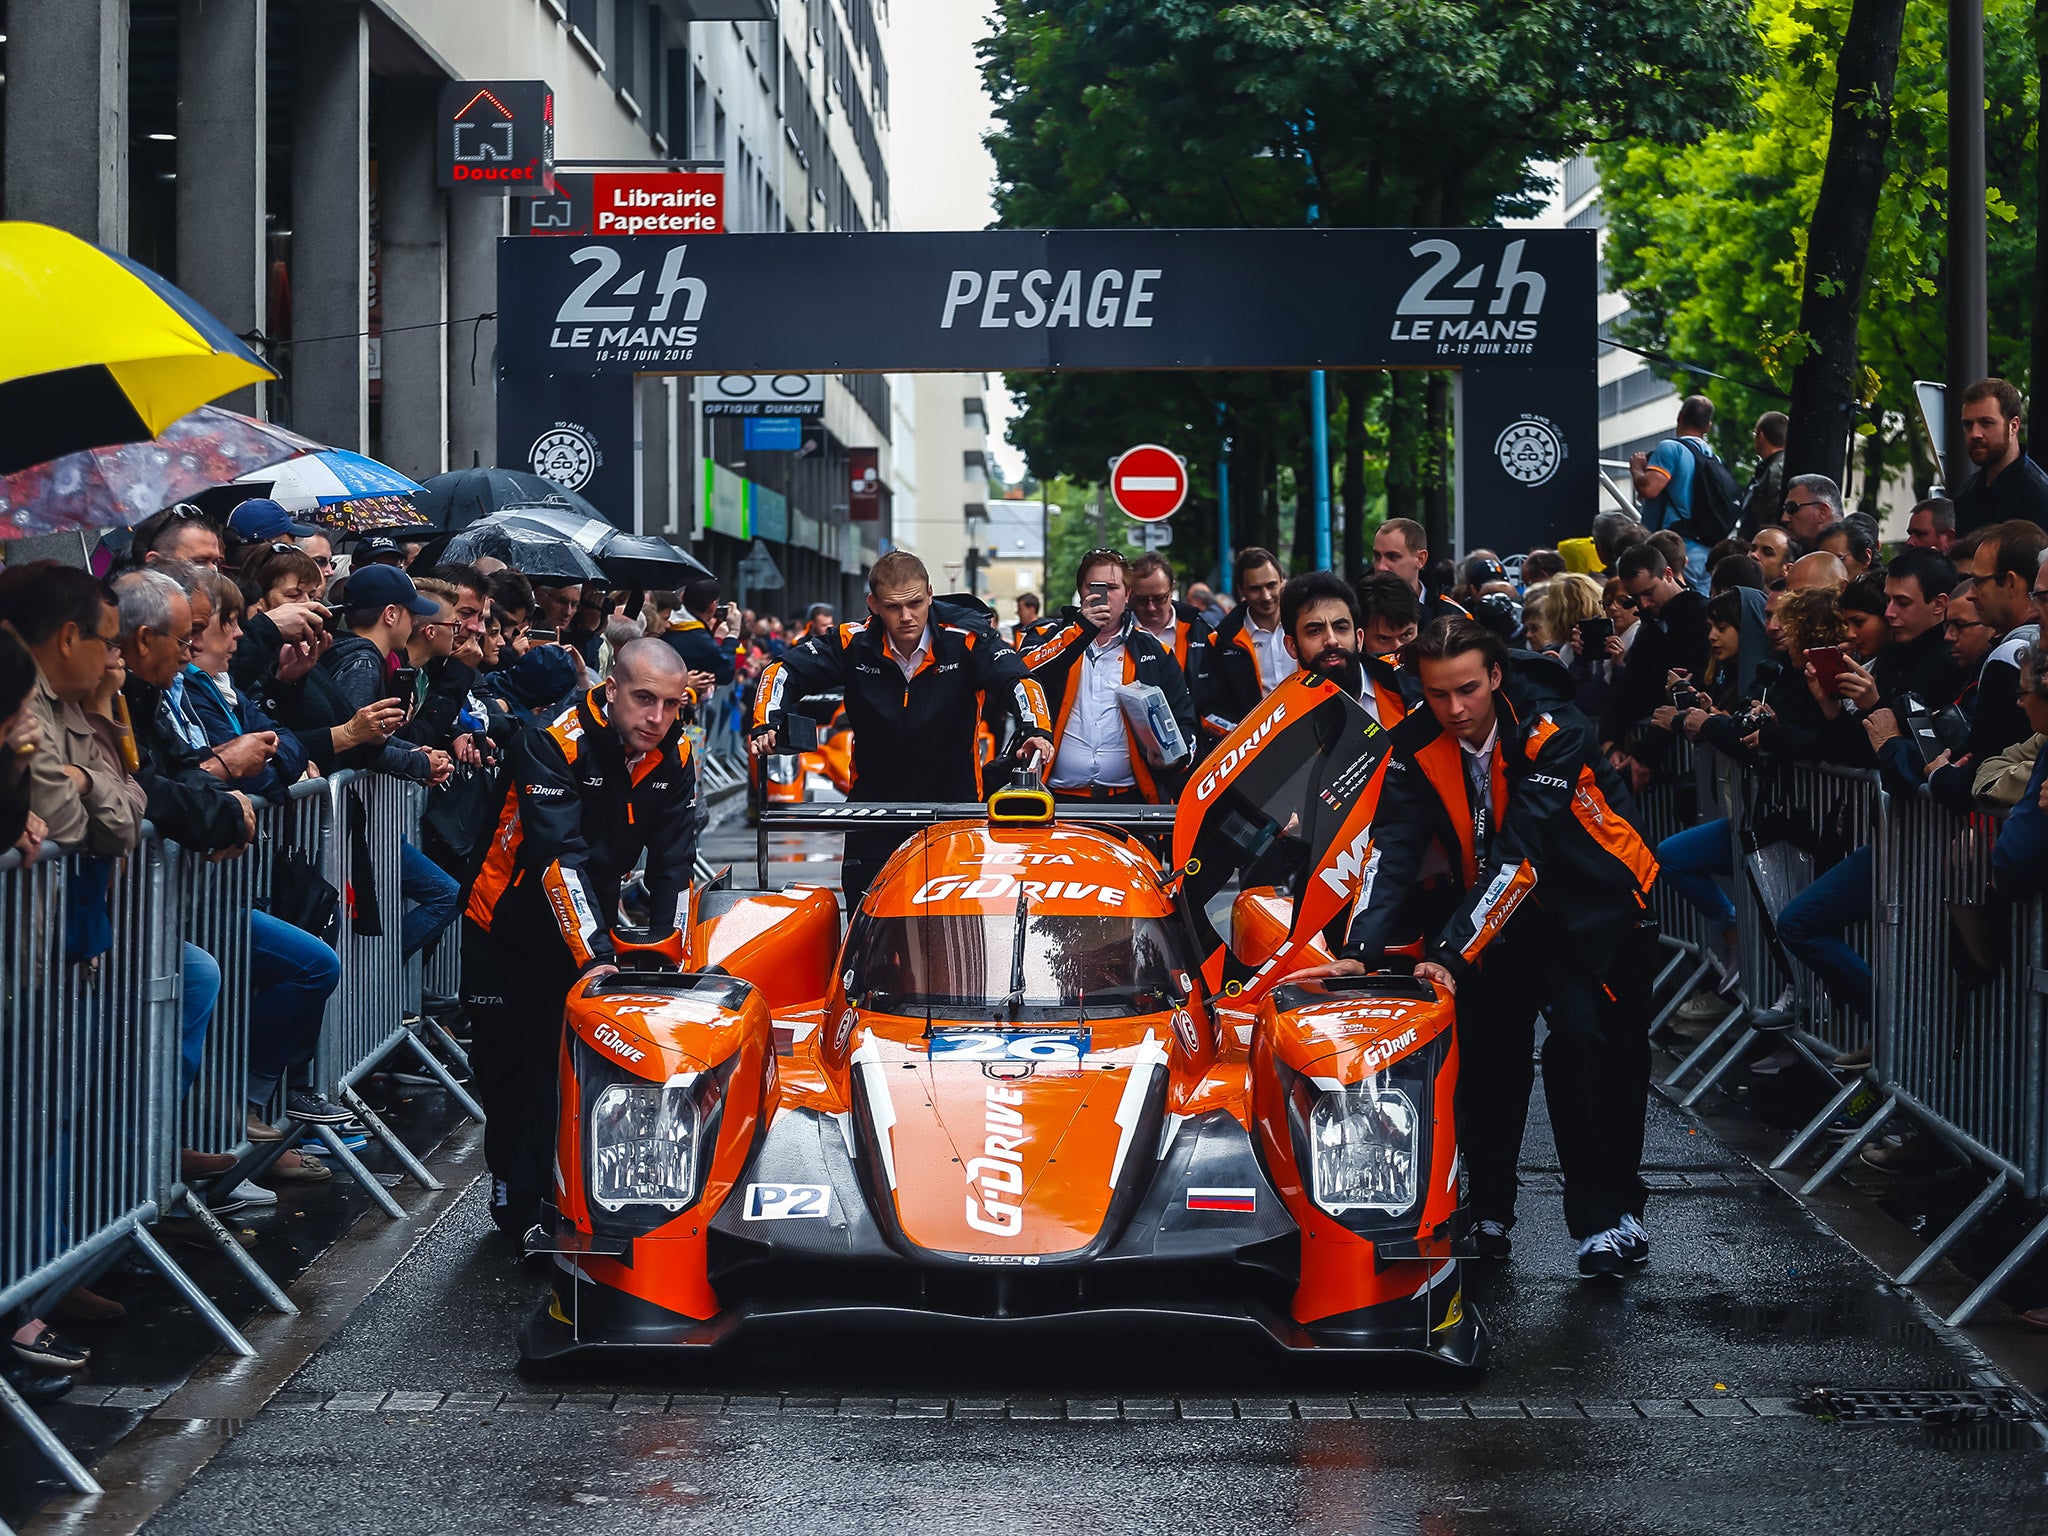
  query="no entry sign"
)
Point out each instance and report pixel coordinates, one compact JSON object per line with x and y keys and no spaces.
{"x":1149,"y":482}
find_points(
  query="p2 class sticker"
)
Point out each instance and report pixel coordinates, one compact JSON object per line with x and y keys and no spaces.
{"x":1245,"y":1201}
{"x":1044,"y":1046}
{"x":787,"y":1202}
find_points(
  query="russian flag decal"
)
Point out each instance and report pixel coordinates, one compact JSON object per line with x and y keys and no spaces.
{"x":1246,"y":1200}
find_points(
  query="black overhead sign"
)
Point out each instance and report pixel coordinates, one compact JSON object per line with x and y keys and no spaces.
{"x":1026,"y":299}
{"x":497,"y":136}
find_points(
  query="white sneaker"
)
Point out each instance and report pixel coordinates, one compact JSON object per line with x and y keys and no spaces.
{"x":243,"y":1196}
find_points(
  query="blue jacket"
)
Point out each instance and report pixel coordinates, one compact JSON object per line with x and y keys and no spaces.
{"x":2019,"y":859}
{"x":224,"y":722}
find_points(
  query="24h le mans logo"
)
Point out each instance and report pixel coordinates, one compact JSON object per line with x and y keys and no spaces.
{"x":1530,"y":450}
{"x":567,"y":455}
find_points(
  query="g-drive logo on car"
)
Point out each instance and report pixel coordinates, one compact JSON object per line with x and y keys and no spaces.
{"x":996,"y":1178}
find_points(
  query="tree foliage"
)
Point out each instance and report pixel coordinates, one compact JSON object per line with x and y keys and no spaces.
{"x":1187,"y":113}
{"x":1709,"y":241}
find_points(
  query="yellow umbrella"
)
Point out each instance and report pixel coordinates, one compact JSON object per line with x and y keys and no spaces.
{"x":98,"y":350}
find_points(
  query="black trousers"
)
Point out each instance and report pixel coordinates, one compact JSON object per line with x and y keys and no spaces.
{"x":1596,"y":1071}
{"x":514,"y":988}
{"x":866,"y":853}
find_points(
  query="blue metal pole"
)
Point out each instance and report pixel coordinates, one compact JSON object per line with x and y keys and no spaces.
{"x":1319,"y":408}
{"x":1223,"y":550}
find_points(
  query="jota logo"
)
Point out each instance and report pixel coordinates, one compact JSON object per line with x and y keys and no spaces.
{"x":566,"y":454}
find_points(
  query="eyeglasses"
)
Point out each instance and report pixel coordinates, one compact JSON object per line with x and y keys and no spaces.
{"x":1795,"y":506}
{"x":1623,"y":600}
{"x":1957,"y":626}
{"x":2038,"y":595}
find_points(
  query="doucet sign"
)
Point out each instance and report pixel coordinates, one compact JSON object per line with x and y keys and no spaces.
{"x":1149,"y":482}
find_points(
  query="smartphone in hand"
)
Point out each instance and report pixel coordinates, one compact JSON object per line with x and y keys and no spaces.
{"x":1830,"y":664}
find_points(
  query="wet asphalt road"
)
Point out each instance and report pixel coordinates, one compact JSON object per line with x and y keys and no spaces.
{"x":1660,"y":1406}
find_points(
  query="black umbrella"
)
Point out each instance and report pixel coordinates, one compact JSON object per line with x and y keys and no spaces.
{"x":539,"y":554}
{"x":629,"y":559}
{"x":462,"y":496}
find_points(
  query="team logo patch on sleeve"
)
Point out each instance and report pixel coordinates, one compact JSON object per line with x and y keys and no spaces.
{"x":1242,"y":1200}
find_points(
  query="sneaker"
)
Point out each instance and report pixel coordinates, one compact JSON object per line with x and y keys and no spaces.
{"x":355,"y":1141}
{"x":1859,"y":1057}
{"x":1904,"y":1154}
{"x":1620,"y":1250}
{"x":306,"y":1105}
{"x":242,"y":1197}
{"x":1490,"y":1240}
{"x":1775,"y":1063}
{"x":1705,"y":1006}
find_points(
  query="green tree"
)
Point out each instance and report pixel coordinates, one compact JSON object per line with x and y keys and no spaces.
{"x":1709,"y":241}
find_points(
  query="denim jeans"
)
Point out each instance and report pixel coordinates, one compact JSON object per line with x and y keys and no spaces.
{"x":1690,"y":859}
{"x":1696,"y":564}
{"x":291,"y":975}
{"x":434,"y":894}
{"x":201,"y":992}
{"x":1813,"y":922}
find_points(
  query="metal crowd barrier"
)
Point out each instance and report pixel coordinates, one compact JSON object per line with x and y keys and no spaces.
{"x":1967,"y":1061}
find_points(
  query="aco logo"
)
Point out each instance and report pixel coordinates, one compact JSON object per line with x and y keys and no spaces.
{"x":567,"y":454}
{"x":1529,"y":450}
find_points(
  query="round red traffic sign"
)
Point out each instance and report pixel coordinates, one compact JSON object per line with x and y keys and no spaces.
{"x":1149,"y":482}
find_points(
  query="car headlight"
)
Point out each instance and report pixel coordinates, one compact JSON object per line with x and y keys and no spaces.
{"x":784,"y":768}
{"x":644,"y":1140}
{"x":1365,"y":1147}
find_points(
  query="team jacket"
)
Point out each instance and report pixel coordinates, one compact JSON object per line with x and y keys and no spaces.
{"x":1394,"y":688}
{"x":1055,"y":665}
{"x":913,"y":738}
{"x":1233,"y":686}
{"x":1435,"y":605}
{"x":1563,"y":840}
{"x":577,"y":817}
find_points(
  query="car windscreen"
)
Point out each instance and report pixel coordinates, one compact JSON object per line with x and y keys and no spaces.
{"x":969,"y":964}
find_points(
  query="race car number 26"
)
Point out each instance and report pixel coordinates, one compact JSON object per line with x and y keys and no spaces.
{"x":1009,"y":1045}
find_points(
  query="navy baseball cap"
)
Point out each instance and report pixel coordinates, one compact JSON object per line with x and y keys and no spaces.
{"x":259,"y":519}
{"x":377,"y":550}
{"x":380,"y":586}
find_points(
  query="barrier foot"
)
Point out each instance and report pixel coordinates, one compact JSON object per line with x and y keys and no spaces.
{"x":1856,"y":1142}
{"x":456,"y":1091}
{"x":1677,"y":998}
{"x":1953,"y":1232}
{"x":2006,"y":1266}
{"x":1706,"y":1046}
{"x":456,"y":1052}
{"x":273,"y":1296}
{"x":374,"y":1123}
{"x":1719,"y":1069}
{"x":1684,"y":954}
{"x":371,"y":1184}
{"x":187,"y":1287}
{"x":39,"y":1435}
{"x":1818,"y":1123}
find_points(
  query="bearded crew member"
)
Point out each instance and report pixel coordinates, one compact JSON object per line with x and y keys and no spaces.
{"x":1401,"y":548}
{"x":915,"y":677}
{"x":1505,"y":778}
{"x":1249,"y":656}
{"x":586,"y":795}
{"x":1096,"y":755}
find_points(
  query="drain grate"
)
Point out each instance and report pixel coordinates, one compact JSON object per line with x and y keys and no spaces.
{"x":1952,"y":1409}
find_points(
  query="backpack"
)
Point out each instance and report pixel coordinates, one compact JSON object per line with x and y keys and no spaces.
{"x":1714,"y":498}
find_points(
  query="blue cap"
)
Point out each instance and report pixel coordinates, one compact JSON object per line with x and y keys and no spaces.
{"x":376,"y":550}
{"x":379,"y":586}
{"x":259,"y":519}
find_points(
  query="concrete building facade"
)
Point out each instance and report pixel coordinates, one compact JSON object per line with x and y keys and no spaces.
{"x":275,"y":158}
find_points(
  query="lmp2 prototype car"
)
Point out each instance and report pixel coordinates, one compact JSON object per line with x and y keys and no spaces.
{"x":1008,"y":1092}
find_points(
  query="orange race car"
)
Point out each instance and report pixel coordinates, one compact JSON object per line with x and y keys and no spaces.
{"x":1025,"y":1083}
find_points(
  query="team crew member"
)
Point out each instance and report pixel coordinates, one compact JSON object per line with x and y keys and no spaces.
{"x":1178,"y":627}
{"x":586,"y":795}
{"x":1080,"y":666}
{"x":1505,"y":778}
{"x":1388,"y":618}
{"x":914,"y":677}
{"x":1249,"y":654}
{"x":1027,"y":619}
{"x":1401,"y":548}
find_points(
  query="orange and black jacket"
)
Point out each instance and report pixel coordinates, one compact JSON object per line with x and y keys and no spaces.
{"x":1395,"y":691}
{"x":1233,"y":685}
{"x":1056,"y":667}
{"x":913,"y":738}
{"x":1562,"y":838}
{"x":577,"y":817}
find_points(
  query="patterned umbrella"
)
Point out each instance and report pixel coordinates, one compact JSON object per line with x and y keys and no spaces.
{"x":333,"y":488}
{"x":119,"y":487}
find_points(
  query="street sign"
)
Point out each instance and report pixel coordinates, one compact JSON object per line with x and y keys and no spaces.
{"x":776,"y":433}
{"x":1149,"y":482}
{"x":658,"y":203}
{"x":497,"y":136}
{"x":759,"y":572}
{"x":1149,"y":536}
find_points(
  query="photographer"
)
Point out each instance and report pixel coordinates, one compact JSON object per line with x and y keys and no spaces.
{"x":1674,"y":639}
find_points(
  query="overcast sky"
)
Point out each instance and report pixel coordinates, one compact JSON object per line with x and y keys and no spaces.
{"x":940,"y":175}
